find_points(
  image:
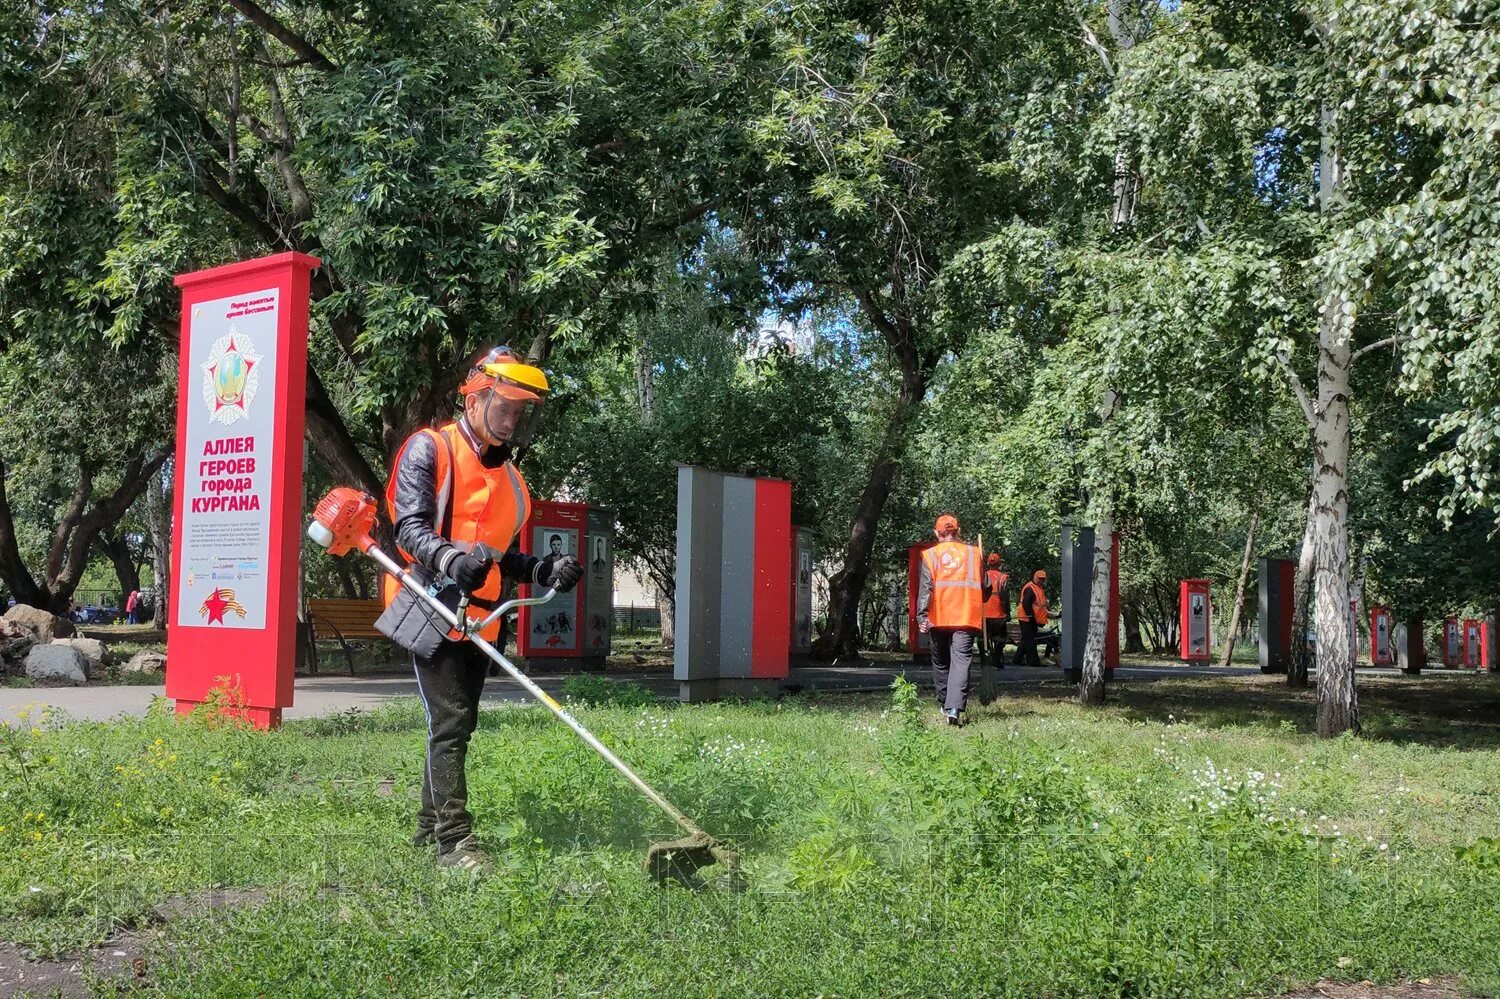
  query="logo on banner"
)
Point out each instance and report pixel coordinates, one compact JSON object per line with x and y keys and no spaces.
{"x":217,"y":603}
{"x":231,"y":376}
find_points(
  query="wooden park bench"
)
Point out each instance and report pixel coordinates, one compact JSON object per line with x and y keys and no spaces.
{"x":339,"y":620}
{"x":1047,"y":642}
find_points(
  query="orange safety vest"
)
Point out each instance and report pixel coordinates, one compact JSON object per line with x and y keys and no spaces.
{"x":481,"y":505}
{"x":957,"y":598}
{"x":1038,"y":607}
{"x":993,"y":609}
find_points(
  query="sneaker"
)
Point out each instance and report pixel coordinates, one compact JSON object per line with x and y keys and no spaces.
{"x":424,"y":838}
{"x":465,"y":855}
{"x":953,"y":718}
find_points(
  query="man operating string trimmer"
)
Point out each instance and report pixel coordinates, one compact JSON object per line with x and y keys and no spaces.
{"x":458,"y":501}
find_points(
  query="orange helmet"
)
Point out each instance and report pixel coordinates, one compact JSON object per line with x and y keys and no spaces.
{"x":993,"y":561}
{"x":1040,"y":576}
{"x":947,"y":522}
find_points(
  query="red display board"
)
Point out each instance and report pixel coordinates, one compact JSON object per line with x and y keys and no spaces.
{"x":574,"y":625}
{"x":1194,"y":612}
{"x":1487,"y":651}
{"x":1472,"y":639}
{"x":241,"y":396}
{"x":1453,"y":642}
{"x":917,"y":642}
{"x":1382,"y":652}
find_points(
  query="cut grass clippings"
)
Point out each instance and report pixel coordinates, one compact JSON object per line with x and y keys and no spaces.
{"x":1042,"y":850}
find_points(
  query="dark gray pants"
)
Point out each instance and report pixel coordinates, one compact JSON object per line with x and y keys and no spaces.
{"x":994,"y":637}
{"x":952,"y":656}
{"x":1027,"y":654}
{"x":449,"y":684}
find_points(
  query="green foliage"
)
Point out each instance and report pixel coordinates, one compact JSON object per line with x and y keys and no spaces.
{"x":590,"y":690}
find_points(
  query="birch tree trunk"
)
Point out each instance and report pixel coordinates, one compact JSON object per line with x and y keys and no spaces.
{"x":1338,"y":709}
{"x":1126,"y":27}
{"x":1338,"y":706}
{"x":1233,"y":631}
{"x":1091,"y":684}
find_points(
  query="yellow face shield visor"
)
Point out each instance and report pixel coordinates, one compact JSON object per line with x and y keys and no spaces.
{"x":512,"y":398}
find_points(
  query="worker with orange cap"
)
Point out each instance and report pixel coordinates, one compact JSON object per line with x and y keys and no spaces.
{"x":950,"y":610}
{"x":1032,"y":615}
{"x":996,"y":609}
{"x":458,"y":501}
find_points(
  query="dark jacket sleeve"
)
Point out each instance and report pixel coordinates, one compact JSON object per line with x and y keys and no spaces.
{"x":416,"y":505}
{"x":1028,"y":598}
{"x":517,"y":565}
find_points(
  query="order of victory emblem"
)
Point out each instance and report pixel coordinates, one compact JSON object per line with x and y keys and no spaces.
{"x":231,"y":376}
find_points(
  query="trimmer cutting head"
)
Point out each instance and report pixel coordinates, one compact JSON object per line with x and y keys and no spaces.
{"x":681,"y":859}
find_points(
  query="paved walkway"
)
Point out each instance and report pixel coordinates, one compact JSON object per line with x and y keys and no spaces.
{"x":326,"y":695}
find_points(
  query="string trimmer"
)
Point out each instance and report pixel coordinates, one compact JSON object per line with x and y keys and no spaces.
{"x":343,"y":521}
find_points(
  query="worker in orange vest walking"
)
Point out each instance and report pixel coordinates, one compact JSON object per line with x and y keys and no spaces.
{"x":458,"y":501}
{"x":996,"y":609}
{"x":950,"y":610}
{"x":1032,"y":615}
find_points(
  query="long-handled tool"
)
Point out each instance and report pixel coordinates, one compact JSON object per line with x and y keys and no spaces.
{"x":344,"y":519}
{"x":986,"y":667}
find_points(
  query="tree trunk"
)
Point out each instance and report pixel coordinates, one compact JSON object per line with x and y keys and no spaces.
{"x":1300,"y":662}
{"x":1338,"y":709}
{"x":1233,"y":631}
{"x":346,"y":578}
{"x":1130,"y":613}
{"x":1357,"y":613}
{"x":1126,"y":27}
{"x":117,"y":550}
{"x":847,"y":586}
{"x":1091,"y":682}
{"x":13,"y":572}
{"x":159,"y":521}
{"x":666,"y":609}
{"x":894,"y":608}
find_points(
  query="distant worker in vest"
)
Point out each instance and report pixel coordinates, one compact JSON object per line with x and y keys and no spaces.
{"x":950,"y":611}
{"x":996,"y":609}
{"x":1032,"y":615}
{"x":458,"y":502}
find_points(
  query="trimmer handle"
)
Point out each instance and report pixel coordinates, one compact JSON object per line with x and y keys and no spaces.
{"x":511,"y":605}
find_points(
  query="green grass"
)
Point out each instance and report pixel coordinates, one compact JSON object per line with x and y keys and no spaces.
{"x":1190,"y":840}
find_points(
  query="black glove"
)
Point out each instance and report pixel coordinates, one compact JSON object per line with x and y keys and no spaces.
{"x":470,"y":570}
{"x":561,"y":572}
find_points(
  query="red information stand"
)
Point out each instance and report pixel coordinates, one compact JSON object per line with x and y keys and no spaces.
{"x":917,"y":642}
{"x":1471,"y":643}
{"x":1194,"y":611}
{"x":574,"y":625}
{"x":1381,"y":650}
{"x":241,"y":395}
{"x":1453,"y":642}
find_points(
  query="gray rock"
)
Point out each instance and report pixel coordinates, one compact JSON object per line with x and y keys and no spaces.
{"x":93,"y":650}
{"x":57,"y":663}
{"x":146,"y":662}
{"x":15,"y":642}
{"x":43,"y":624}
